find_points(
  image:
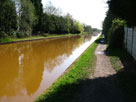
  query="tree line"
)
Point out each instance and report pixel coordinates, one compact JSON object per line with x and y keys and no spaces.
{"x":121,"y":13}
{"x":24,"y":18}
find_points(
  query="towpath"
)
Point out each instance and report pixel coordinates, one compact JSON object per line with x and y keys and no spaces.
{"x":102,"y":86}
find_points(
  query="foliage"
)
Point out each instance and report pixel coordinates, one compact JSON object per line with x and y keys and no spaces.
{"x":88,"y":29}
{"x":124,"y":9}
{"x":107,"y":24}
{"x":50,"y":9}
{"x":20,"y":34}
{"x":60,"y":24}
{"x":12,"y":33}
{"x":95,"y":30}
{"x":21,"y":18}
{"x":27,"y":17}
{"x":113,"y":29}
{"x":8,"y":16}
{"x":116,"y":33}
{"x":38,"y":9}
{"x":79,"y":28}
{"x":3,"y":34}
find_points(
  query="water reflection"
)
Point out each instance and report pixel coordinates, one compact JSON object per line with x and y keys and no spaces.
{"x":29,"y":68}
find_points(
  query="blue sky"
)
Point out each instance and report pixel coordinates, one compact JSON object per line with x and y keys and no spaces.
{"x":90,"y":12}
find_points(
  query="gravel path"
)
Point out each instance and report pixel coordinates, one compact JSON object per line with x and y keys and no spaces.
{"x":102,"y":86}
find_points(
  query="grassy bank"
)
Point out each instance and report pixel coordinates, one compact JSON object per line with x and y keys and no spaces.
{"x":63,"y":89}
{"x":6,"y":40}
{"x":125,"y":67}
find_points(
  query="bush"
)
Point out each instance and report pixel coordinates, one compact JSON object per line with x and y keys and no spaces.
{"x":116,"y":33}
{"x":27,"y":33}
{"x":3,"y":34}
{"x":12,"y":33}
{"x":20,"y":34}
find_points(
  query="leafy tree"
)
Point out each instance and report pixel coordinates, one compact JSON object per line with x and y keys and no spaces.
{"x":68,"y":18}
{"x":107,"y":23}
{"x":116,"y":33}
{"x":27,"y":17}
{"x":78,"y":27}
{"x":124,"y":9}
{"x":8,"y":16}
{"x":39,"y":14}
{"x":88,"y":29}
{"x":50,"y":9}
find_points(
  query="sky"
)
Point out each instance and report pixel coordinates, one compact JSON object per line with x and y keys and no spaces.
{"x":90,"y":12}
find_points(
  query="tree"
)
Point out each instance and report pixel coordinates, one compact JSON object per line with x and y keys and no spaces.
{"x":68,"y":18}
{"x":88,"y":29}
{"x":50,"y":9}
{"x":124,"y":9}
{"x":78,"y":27}
{"x":27,"y":17}
{"x":8,"y":16}
{"x":108,"y":23}
{"x":116,"y":33}
{"x":39,"y":14}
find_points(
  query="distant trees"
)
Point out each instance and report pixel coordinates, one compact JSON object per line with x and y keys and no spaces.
{"x":60,"y":24}
{"x":24,"y":18}
{"x":88,"y":29}
{"x":54,"y":22}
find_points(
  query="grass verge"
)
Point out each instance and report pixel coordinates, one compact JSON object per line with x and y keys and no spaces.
{"x":125,"y":67}
{"x":63,"y":89}
{"x":6,"y":40}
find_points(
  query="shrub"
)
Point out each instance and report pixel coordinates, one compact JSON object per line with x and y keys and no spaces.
{"x":20,"y":34}
{"x":12,"y":33}
{"x":116,"y":33}
{"x":27,"y":33}
{"x":3,"y":34}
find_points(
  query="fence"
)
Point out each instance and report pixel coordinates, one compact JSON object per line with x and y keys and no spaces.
{"x":130,"y":40}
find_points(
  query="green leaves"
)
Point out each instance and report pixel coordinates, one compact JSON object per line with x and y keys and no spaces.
{"x":124,"y":9}
{"x":8,"y":16}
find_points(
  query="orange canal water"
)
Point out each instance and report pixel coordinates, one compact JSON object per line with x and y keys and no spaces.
{"x":28,"y":68}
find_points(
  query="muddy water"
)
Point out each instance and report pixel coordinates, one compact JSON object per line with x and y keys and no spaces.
{"x":28,"y":68}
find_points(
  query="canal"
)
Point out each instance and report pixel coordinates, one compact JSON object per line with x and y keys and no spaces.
{"x":28,"y":68}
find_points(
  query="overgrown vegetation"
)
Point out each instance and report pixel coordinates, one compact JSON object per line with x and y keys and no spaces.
{"x":119,"y":15}
{"x":124,"y":65}
{"x":64,"y":88}
{"x":124,"y":9}
{"x":113,"y":29}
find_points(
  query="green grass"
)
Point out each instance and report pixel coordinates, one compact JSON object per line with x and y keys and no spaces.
{"x":4,"y":40}
{"x":63,"y":89}
{"x":126,"y":73}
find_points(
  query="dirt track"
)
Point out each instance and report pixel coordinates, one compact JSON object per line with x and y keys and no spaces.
{"x":102,"y":86}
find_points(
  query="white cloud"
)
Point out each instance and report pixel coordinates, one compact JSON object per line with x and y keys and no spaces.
{"x":91,"y":12}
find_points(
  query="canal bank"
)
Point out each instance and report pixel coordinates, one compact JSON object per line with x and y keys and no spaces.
{"x":63,"y":89}
{"x":33,"y":38}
